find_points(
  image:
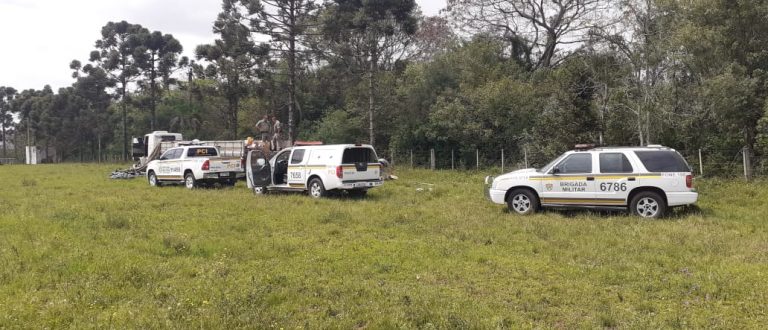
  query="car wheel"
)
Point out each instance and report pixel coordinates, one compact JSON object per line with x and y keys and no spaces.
{"x":259,"y":190}
{"x":358,"y":193}
{"x":316,"y":188}
{"x":153,"y":180}
{"x":189,"y":181}
{"x":648,"y":204}
{"x":522,"y":201}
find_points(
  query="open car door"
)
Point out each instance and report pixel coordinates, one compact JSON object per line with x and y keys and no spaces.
{"x":257,"y":170}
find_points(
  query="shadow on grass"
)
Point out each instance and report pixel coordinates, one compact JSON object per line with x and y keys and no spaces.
{"x":673,"y":214}
{"x":332,"y":195}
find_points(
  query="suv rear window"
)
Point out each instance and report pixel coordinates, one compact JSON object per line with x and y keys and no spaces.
{"x":201,"y":152}
{"x":359,"y":155}
{"x":663,"y":161}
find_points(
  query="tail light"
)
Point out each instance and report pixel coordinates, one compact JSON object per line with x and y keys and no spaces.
{"x":340,"y":172}
{"x":689,"y":181}
{"x":242,"y":162}
{"x":206,"y":165}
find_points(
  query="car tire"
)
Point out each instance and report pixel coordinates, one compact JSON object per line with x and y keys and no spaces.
{"x":153,"y":180}
{"x":523,"y":202}
{"x":648,"y":204}
{"x":189,"y":181}
{"x":316,"y":188}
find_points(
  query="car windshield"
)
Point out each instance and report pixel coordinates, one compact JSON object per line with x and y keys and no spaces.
{"x":552,"y":163}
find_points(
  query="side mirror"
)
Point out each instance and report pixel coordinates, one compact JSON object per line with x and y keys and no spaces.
{"x":556,"y":170}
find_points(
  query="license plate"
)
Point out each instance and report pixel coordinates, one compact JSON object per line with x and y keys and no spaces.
{"x":223,"y":174}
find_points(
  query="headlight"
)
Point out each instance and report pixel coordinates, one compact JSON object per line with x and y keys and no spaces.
{"x":488,"y":180}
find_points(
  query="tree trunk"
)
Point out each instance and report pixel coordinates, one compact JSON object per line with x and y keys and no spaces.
{"x":291,"y":72}
{"x":233,"y":108}
{"x":371,"y":91}
{"x":152,"y":93}
{"x":125,"y":123}
{"x":748,"y":143}
{"x":4,"y":142}
{"x":640,"y":126}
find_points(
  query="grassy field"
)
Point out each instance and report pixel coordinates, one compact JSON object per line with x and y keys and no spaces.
{"x":78,"y":250}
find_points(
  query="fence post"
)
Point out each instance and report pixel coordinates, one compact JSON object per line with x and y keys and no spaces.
{"x":701,"y":165}
{"x":502,"y":160}
{"x":392,"y":156}
{"x":432,"y":159}
{"x":525,"y":154}
{"x":411,"y":159}
{"x":745,"y":154}
{"x":477,"y":159}
{"x":452,"y":167}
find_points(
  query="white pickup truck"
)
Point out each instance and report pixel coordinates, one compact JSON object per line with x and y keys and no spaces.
{"x":194,"y":166}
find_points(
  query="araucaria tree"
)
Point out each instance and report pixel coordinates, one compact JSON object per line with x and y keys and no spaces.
{"x":234,"y":57}
{"x":367,"y":32}
{"x":6,"y":116}
{"x":156,"y":56}
{"x":286,"y":22}
{"x":115,"y":55}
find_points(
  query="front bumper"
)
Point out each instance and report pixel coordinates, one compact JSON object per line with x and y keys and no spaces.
{"x":681,"y":198}
{"x":494,"y":195}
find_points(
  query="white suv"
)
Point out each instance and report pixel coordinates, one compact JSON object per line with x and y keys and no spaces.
{"x":644,"y":180}
{"x":315,"y":169}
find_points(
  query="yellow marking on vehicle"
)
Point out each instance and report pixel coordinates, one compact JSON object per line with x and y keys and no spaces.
{"x":309,"y":167}
{"x":581,"y":201}
{"x":597,"y":177}
{"x":296,"y":185}
{"x":555,"y":178}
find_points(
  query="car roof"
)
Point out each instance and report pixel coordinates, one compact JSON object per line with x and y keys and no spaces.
{"x":334,"y":146}
{"x":625,"y":148}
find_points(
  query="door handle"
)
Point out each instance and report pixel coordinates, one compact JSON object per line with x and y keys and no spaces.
{"x":631,"y":179}
{"x":590,"y":178}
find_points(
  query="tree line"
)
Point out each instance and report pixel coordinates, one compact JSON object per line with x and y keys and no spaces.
{"x":484,"y":75}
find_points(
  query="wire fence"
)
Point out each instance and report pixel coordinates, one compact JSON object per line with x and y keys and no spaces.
{"x":728,"y":163}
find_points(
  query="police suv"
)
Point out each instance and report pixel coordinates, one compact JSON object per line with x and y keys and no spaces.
{"x":644,"y":180}
{"x":317,"y":169}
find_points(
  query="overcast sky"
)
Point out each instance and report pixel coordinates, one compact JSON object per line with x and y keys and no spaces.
{"x":41,"y":37}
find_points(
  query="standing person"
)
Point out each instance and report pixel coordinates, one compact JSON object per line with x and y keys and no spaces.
{"x":263,"y":126}
{"x":277,"y":133}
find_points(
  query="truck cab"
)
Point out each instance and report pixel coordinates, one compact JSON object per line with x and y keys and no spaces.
{"x":143,"y":147}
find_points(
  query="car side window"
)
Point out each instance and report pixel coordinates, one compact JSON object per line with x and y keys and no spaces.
{"x":171,"y":154}
{"x":576,"y":163}
{"x":615,"y":162}
{"x":166,"y":155}
{"x":283,"y":156}
{"x":298,"y":156}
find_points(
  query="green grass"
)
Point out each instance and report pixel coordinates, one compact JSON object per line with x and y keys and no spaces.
{"x":78,"y":250}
